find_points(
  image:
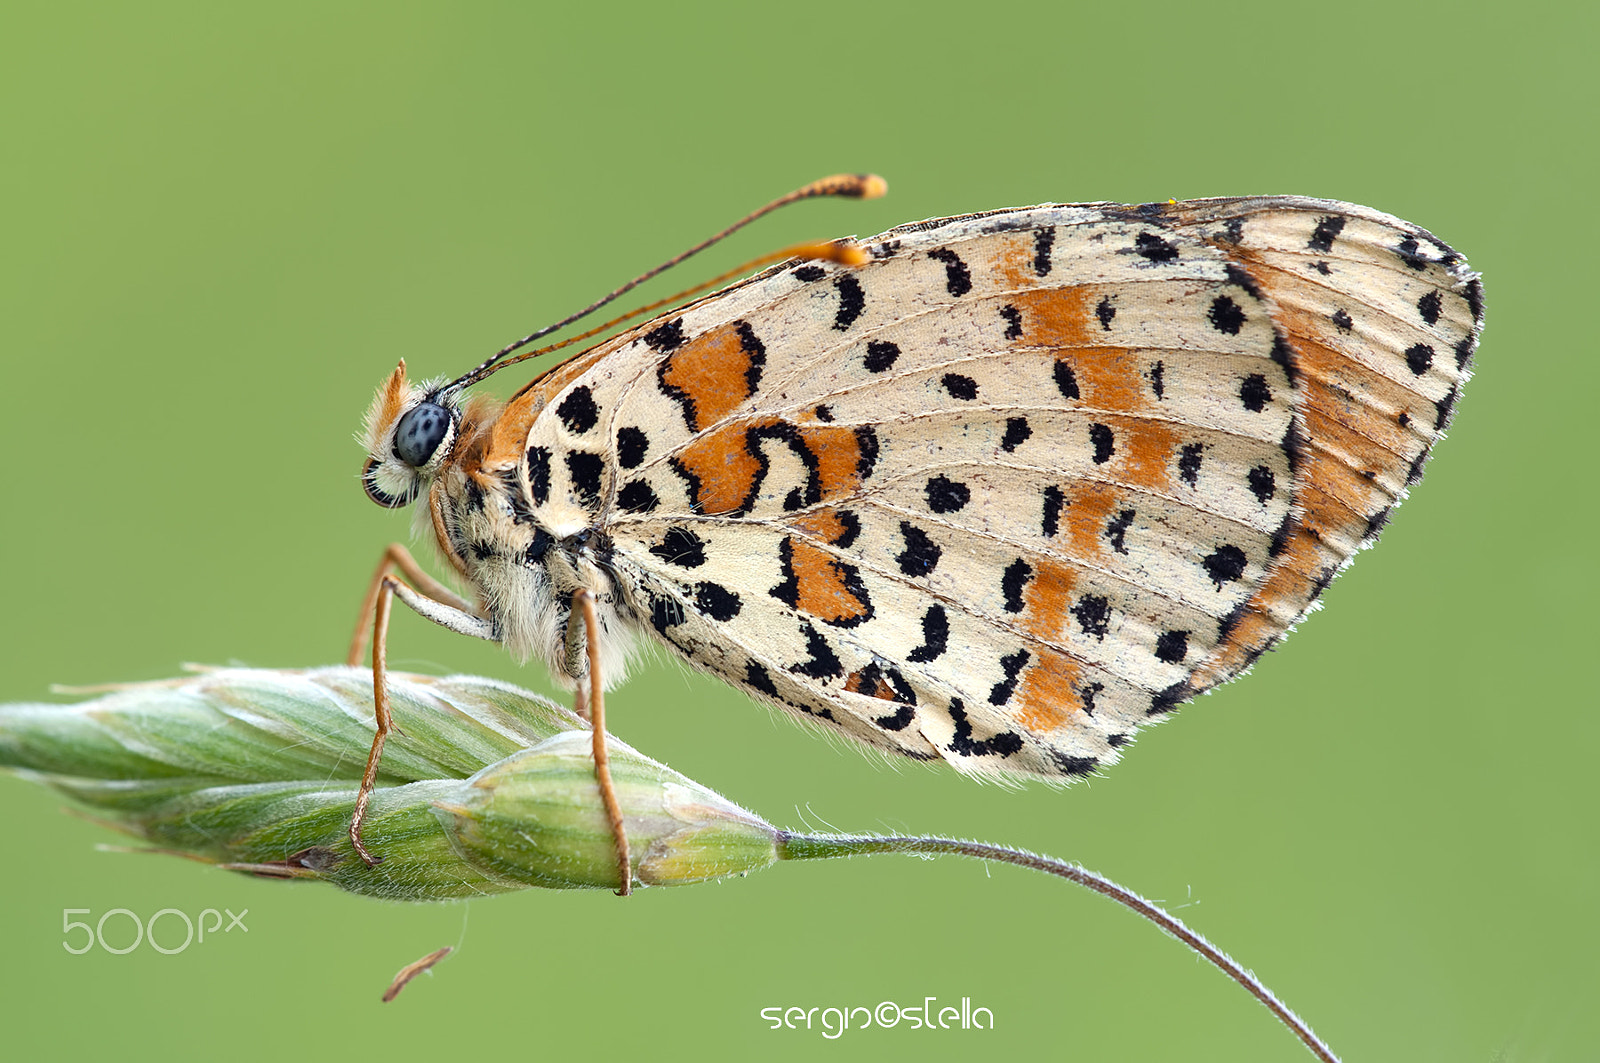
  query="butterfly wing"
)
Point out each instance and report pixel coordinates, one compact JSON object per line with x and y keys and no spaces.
{"x":1026,"y":479}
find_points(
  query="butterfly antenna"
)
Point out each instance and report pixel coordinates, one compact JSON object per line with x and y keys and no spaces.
{"x":847,"y":185}
{"x":839,"y":252}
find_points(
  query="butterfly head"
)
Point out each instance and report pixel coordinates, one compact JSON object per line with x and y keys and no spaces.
{"x":409,"y":434}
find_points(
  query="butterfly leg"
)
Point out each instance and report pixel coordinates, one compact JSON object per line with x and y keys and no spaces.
{"x":444,"y":613}
{"x":397,"y":557}
{"x":594,"y":708}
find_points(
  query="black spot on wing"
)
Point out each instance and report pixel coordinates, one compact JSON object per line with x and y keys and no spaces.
{"x":935,"y":636}
{"x":1170,"y":698}
{"x":586,"y":470}
{"x":1071,"y":765}
{"x":1444,"y":407}
{"x":921,"y":554}
{"x":1043,"y":240}
{"x":681,"y":547}
{"x":1066,"y":380}
{"x":759,"y":678}
{"x":1473,"y":294}
{"x":539,"y":474}
{"x":1429,"y":307}
{"x":665,"y":612}
{"x":1280,"y":538}
{"x":666,"y":337}
{"x":1225,"y":315}
{"x":637,"y":496}
{"x":1189,"y":460}
{"x":1094,"y":615}
{"x":1017,"y":433}
{"x":1419,"y":358}
{"x":717,"y":601}
{"x":578,"y":411}
{"x":1292,"y":445}
{"x":1106,"y":312}
{"x":1104,"y":442}
{"x":1117,"y":530}
{"x":1262,"y":483}
{"x":957,"y":277}
{"x":1172,"y":646}
{"x":877,"y":681}
{"x":851,"y":525}
{"x":1240,"y":279}
{"x":852,"y":301}
{"x":1013,"y":318}
{"x":1003,"y":744}
{"x":866,"y":451}
{"x":808,"y":273}
{"x":1054,"y":501}
{"x":1225,"y":564}
{"x":821,"y":662}
{"x":1226,"y":625}
{"x":1342,"y":322}
{"x":1012,"y":665}
{"x":946,"y":495}
{"x":1255,"y":393}
{"x":632,"y":446}
{"x":1410,"y":252}
{"x":1158,"y":380}
{"x":1154,"y":248}
{"x":881,"y":355}
{"x":1284,"y":356}
{"x":899,"y":721}
{"x":960,"y":387}
{"x":1013,"y":582}
{"x":1323,"y":235}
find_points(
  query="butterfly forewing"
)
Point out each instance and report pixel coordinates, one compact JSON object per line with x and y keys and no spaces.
{"x":1022,"y":481}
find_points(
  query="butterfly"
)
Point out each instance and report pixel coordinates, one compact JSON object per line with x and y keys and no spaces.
{"x":997,"y":490}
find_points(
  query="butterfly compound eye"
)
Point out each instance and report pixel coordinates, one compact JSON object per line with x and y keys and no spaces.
{"x":419,"y":434}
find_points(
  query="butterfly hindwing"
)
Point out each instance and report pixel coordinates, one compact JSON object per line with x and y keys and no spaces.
{"x":1022,"y":481}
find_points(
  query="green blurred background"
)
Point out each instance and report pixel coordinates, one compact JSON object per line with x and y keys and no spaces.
{"x":222,"y":224}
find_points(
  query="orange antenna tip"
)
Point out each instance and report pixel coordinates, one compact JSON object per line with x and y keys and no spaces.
{"x":849,"y":185}
{"x":843,"y":252}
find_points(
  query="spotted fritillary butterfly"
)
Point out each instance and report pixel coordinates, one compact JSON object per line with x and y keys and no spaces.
{"x":1013,"y":486}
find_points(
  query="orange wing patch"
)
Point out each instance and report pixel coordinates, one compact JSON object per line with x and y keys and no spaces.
{"x":1045,"y":601}
{"x":712,"y":374}
{"x":1089,"y":507}
{"x":726,"y":467}
{"x":837,"y":527}
{"x":722,"y":470}
{"x":1146,"y":448}
{"x":1016,"y":260}
{"x":1048,"y":694}
{"x":1057,"y":317}
{"x":819,"y":585}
